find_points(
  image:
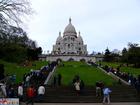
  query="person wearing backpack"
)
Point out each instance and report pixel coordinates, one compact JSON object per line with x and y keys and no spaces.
{"x":30,"y":95}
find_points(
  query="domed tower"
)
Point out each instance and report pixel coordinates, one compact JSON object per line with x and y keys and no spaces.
{"x":70,"y":30}
{"x":59,"y":38}
{"x":57,"y":46}
{"x":79,"y":38}
{"x":69,"y":44}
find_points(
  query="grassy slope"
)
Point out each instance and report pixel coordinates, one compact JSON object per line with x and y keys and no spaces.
{"x":87,"y":73}
{"x":12,"y":68}
{"x":134,"y":71}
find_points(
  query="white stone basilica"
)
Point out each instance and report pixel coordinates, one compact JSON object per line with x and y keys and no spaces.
{"x":69,"y":47}
{"x":69,"y":43}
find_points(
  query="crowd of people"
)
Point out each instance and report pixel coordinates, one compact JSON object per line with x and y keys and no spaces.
{"x":132,"y":80}
{"x":101,"y":90}
{"x":31,"y":88}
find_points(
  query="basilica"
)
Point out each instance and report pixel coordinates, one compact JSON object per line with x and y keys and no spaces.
{"x":69,"y":47}
{"x":70,"y":43}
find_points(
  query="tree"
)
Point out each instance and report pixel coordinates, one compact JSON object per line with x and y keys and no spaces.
{"x":107,"y":56}
{"x":133,"y":54}
{"x":111,"y":56}
{"x":132,"y":45}
{"x":13,"y":10}
{"x":124,"y":55}
{"x":33,"y":54}
{"x":14,"y":41}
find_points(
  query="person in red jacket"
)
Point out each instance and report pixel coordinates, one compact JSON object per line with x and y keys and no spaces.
{"x":30,"y":95}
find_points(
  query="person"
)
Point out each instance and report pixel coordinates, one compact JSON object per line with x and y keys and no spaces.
{"x":101,"y":86}
{"x":82,"y":85}
{"x":98,"y":89}
{"x":30,"y":95}
{"x":11,"y":91}
{"x":41,"y":92}
{"x":3,"y":88}
{"x":106,"y":93}
{"x":54,"y":81}
{"x":137,"y":86}
{"x":77,"y":87}
{"x":59,"y":79}
{"x":20,"y":92}
{"x":119,"y":82}
{"x":76,"y":77}
{"x":27,"y":81}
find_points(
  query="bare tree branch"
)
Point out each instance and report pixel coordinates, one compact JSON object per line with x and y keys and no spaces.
{"x":13,"y":10}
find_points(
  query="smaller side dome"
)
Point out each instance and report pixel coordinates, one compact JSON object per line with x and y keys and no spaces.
{"x":79,"y":38}
{"x":59,"y":38}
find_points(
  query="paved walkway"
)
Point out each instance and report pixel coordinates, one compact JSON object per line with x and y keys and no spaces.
{"x":125,"y":103}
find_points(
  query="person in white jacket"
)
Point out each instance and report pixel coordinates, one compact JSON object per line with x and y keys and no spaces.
{"x":77,"y":87}
{"x":3,"y":88}
{"x":20,"y":92}
{"x":41,"y":92}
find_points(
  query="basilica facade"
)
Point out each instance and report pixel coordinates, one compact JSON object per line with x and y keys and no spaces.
{"x":70,"y":43}
{"x":69,"y":46}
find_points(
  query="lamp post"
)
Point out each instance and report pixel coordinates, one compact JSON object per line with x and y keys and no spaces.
{"x":48,"y":52}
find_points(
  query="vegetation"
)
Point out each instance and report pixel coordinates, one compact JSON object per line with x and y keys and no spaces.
{"x":19,"y":71}
{"x":15,"y":46}
{"x":107,"y":56}
{"x":111,"y":56}
{"x":132,"y":54}
{"x":88,"y":74}
{"x":129,"y":56}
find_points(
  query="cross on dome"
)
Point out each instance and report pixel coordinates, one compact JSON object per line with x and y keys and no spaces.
{"x":69,"y":20}
{"x":79,"y":32}
{"x":59,"y":33}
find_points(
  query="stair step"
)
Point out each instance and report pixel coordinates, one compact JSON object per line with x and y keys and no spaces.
{"x":67,"y":94}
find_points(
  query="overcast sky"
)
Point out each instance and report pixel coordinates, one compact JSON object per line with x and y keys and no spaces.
{"x":102,"y":23}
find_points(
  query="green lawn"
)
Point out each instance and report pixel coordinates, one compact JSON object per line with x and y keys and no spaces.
{"x":87,"y":73}
{"x":13,"y":68}
{"x":111,"y":64}
{"x":134,"y":71}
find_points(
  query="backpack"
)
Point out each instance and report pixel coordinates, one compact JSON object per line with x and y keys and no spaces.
{"x":30,"y":92}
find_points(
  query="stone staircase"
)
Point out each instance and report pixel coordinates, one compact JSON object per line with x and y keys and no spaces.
{"x":120,"y":93}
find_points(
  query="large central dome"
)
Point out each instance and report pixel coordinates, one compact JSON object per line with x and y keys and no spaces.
{"x":70,"y":43}
{"x":70,"y":29}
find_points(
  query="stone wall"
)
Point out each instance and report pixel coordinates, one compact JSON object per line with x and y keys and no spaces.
{"x":68,"y":58}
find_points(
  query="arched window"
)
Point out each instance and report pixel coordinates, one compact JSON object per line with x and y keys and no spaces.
{"x":68,"y":45}
{"x":59,"y":60}
{"x":82,"y":60}
{"x":71,"y":59}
